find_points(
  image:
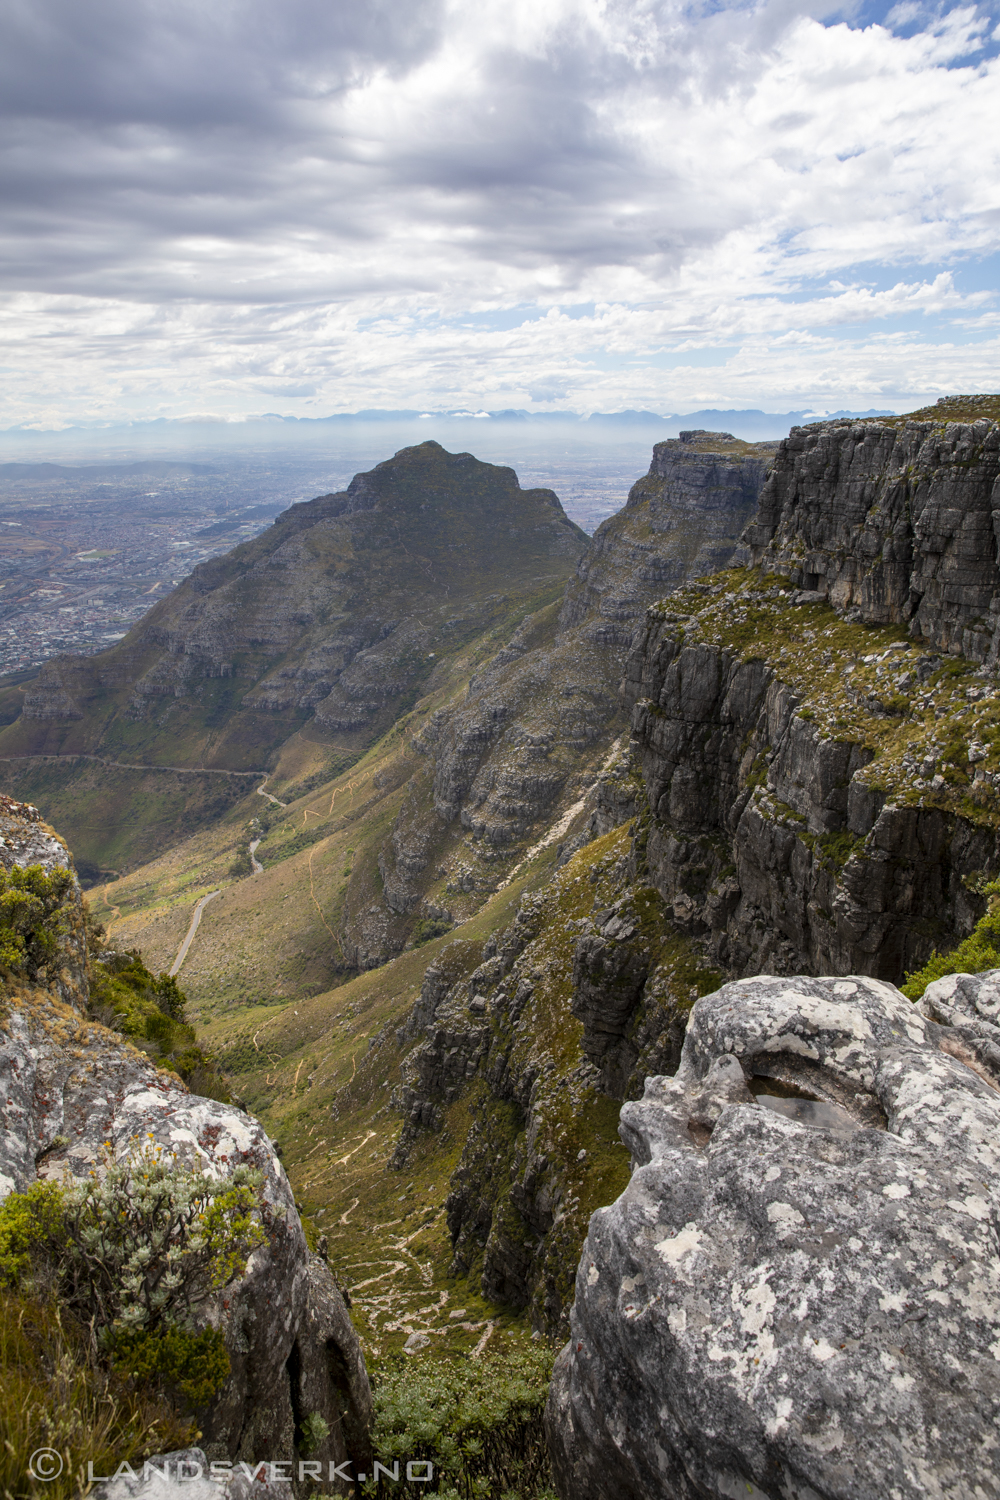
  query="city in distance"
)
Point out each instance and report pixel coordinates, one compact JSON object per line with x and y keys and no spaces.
{"x":98,"y":524}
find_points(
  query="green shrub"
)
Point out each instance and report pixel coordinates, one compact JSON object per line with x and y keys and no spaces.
{"x":145,"y":1242}
{"x":135,"y":1250}
{"x":242,"y":865}
{"x":313,"y":1433}
{"x":976,"y":953}
{"x":150,"y":1010}
{"x":33,"y":917}
{"x":28,"y":1221}
{"x":478,"y":1422}
{"x":430,"y":927}
{"x":174,"y":1360}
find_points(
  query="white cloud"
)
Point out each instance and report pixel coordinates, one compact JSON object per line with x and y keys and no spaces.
{"x":204,"y":204}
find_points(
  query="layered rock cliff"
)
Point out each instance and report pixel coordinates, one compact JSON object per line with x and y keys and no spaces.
{"x":820,"y":762}
{"x":539,"y":717}
{"x":680,"y":520}
{"x":893,"y":522}
{"x":589,"y":989}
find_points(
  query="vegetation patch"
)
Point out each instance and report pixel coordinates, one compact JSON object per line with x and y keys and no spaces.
{"x":930,"y":721}
{"x":151,"y":1011}
{"x":974,"y":955}
{"x":479,"y":1423}
{"x":33,"y":918}
{"x":103,"y":1283}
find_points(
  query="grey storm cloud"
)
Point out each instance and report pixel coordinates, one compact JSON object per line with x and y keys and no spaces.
{"x":208,"y":203}
{"x":131,"y":126}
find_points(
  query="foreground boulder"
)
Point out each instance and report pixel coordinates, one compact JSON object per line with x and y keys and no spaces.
{"x":798,"y":1294}
{"x":69,"y":1087}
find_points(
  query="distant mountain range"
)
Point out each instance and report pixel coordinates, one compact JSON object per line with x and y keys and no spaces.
{"x":151,"y":468}
{"x":749,"y":423}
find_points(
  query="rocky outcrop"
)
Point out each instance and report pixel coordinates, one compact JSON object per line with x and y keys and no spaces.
{"x":544,"y":1029}
{"x":803,"y":812}
{"x":895,"y":521}
{"x":69,"y":1086}
{"x":798,"y":1292}
{"x":682,"y":519}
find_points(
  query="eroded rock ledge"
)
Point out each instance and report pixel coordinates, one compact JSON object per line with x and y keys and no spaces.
{"x":895,"y":520}
{"x":798,"y":1294}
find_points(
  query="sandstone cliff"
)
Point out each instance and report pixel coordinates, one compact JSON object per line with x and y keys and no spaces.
{"x":590,"y":988}
{"x":538,"y":719}
{"x":893,"y":522}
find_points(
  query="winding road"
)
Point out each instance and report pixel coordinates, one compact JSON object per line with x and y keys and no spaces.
{"x":182,"y":951}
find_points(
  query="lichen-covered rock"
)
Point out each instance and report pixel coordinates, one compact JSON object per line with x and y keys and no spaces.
{"x":798,"y":1294}
{"x":186,"y":1474}
{"x":70,"y":1088}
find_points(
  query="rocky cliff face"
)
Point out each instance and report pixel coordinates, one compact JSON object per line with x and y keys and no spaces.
{"x":798,"y":1294}
{"x":821,"y":762}
{"x":681,"y":520}
{"x":895,"y":522}
{"x":545,"y":1029}
{"x":68,"y":1086}
{"x":538,"y":719}
{"x":590,"y":988}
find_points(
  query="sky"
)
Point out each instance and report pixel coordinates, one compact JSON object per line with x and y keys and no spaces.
{"x":314,"y":206}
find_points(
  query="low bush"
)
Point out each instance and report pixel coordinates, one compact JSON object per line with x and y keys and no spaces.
{"x":134,"y":1252}
{"x":183,"y":1364}
{"x":101,"y":1284}
{"x":145,"y":1242}
{"x":478,"y":1422}
{"x":33,"y":918}
{"x":976,"y":953}
{"x":429,"y":928}
{"x":149,"y":1009}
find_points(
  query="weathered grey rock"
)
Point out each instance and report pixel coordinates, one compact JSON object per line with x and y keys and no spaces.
{"x":969,"y":1005}
{"x":187,"y":1474}
{"x":682,"y":519}
{"x":896,"y":522}
{"x":69,"y":1087}
{"x":798,"y":1294}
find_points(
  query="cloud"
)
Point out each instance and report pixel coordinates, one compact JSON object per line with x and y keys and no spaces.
{"x":311,"y":200}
